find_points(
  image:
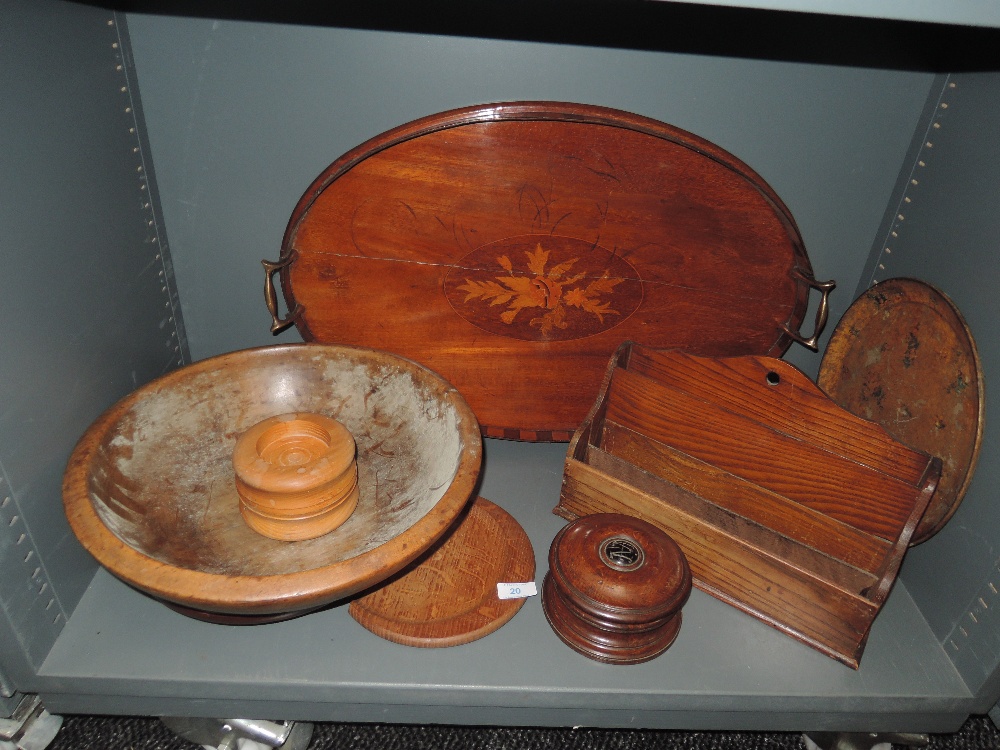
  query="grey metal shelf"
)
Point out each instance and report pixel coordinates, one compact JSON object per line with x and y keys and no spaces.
{"x":122,"y":652}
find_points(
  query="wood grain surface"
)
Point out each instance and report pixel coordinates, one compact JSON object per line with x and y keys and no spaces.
{"x":904,"y":357}
{"x":449,"y":596}
{"x":513,"y":247}
{"x":786,"y":505}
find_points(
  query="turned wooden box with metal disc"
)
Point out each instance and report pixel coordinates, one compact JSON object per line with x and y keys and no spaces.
{"x":512,"y":247}
{"x":784,"y":504}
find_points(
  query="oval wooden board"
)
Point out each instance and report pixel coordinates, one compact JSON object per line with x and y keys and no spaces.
{"x":903,"y":356}
{"x":511,"y":248}
{"x":450,"y":597}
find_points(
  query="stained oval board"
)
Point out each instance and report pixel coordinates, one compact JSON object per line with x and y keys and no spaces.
{"x":512,"y":247}
{"x":904,"y":357}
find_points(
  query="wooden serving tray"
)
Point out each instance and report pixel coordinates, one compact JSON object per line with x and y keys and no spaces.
{"x":785,"y":505}
{"x":512,"y":247}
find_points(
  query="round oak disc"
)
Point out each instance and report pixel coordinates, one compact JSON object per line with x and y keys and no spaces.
{"x":903,"y":356}
{"x":450,"y":597}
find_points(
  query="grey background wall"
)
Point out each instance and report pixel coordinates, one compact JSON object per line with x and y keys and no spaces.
{"x":242,"y":116}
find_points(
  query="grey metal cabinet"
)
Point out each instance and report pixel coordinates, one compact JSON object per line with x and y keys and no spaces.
{"x":890,"y":168}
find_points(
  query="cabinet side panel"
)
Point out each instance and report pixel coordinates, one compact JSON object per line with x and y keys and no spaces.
{"x":947,"y":232}
{"x":86,"y":290}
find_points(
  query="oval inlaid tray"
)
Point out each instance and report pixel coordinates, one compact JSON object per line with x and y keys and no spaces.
{"x":513,"y":247}
{"x":903,"y":356}
{"x":450,"y":597}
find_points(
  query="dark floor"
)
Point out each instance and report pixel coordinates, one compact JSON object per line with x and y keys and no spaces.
{"x":115,"y":733}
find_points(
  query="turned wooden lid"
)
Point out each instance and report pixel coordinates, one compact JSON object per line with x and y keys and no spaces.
{"x":620,"y":569}
{"x":296,"y":475}
{"x":903,"y":356}
{"x":293,"y":452}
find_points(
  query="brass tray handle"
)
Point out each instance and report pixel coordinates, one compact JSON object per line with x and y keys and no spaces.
{"x":271,"y":294}
{"x":822,"y":313}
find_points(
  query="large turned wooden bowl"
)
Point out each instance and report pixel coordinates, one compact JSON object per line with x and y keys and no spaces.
{"x":150,"y":488}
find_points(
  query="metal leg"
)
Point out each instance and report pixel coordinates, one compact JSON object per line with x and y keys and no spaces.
{"x":862,"y":740}
{"x":241,"y":734}
{"x":30,"y":727}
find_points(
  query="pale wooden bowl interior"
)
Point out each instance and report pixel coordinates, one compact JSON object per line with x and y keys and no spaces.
{"x":150,"y":490}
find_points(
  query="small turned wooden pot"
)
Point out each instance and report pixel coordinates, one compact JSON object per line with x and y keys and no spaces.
{"x":296,"y":476}
{"x":615,"y":588}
